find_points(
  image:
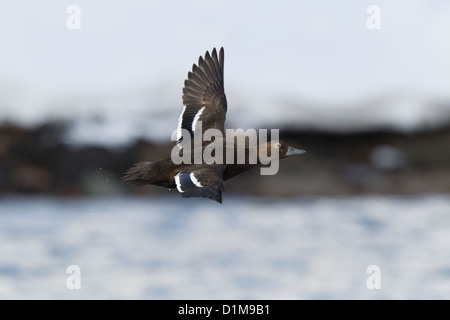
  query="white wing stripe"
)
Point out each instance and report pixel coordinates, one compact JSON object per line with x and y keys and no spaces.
{"x":177,"y":182}
{"x":195,"y":181}
{"x":180,"y":123}
{"x":197,"y":116}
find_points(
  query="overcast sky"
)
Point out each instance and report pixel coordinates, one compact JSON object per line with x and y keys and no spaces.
{"x":310,"y":48}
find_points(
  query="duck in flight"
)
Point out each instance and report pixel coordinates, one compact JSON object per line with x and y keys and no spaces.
{"x":204,"y":103}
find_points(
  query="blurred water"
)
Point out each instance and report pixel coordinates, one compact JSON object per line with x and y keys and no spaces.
{"x":244,"y":249}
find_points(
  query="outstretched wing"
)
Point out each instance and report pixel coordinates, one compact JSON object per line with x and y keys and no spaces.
{"x":202,"y":182}
{"x":204,"y":96}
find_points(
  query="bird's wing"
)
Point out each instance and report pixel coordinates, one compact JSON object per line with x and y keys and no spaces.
{"x":202,"y":182}
{"x":233,"y":170}
{"x":204,"y":96}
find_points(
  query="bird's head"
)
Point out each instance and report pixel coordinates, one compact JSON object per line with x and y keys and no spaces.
{"x":278,"y":149}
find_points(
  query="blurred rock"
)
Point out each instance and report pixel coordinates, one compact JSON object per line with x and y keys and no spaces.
{"x":31,"y":178}
{"x":37,"y":160}
{"x":388,"y":158}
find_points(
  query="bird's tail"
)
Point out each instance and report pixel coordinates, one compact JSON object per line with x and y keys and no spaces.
{"x":139,"y":175}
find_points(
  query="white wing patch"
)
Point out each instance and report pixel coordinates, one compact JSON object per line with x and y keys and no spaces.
{"x":177,"y":182}
{"x":195,"y":181}
{"x":180,"y":123}
{"x":197,"y":116}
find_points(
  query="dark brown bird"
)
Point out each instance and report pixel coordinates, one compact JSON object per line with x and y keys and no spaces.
{"x":205,"y":103}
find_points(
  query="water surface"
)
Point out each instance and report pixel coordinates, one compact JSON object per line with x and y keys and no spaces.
{"x":136,"y":248}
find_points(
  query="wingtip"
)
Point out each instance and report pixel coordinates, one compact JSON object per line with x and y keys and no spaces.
{"x":219,"y":197}
{"x":214,"y":52}
{"x":221,"y":58}
{"x":207,"y":55}
{"x":201,"y":61}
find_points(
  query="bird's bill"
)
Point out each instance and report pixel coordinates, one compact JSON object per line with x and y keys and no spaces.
{"x":291,"y":151}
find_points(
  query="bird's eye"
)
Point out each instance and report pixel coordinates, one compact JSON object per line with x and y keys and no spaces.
{"x":278,"y":145}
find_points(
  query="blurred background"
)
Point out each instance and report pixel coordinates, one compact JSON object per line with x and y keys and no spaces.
{"x":364,"y":91}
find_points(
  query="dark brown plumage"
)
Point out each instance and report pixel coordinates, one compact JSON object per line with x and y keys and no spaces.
{"x":205,"y":102}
